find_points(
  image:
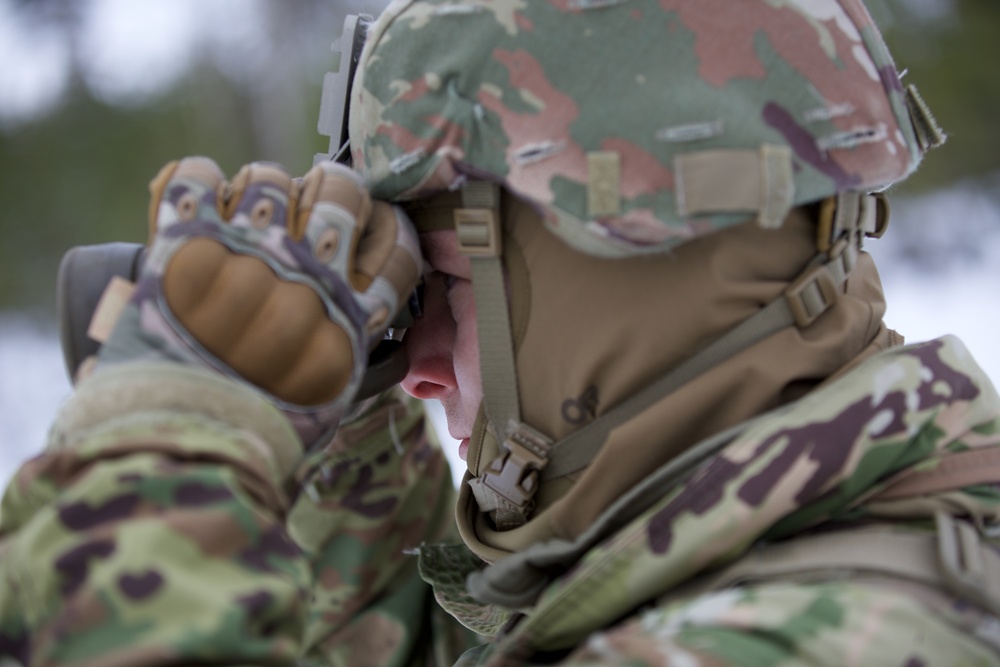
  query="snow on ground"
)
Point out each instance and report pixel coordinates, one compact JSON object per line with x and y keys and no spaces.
{"x":940,"y":277}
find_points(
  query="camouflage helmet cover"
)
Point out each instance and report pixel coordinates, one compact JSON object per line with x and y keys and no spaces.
{"x":632,"y":125}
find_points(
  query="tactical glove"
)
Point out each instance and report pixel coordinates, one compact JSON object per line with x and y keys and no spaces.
{"x":284,"y":284}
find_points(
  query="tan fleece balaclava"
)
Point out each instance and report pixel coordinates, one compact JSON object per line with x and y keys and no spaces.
{"x":589,"y":332}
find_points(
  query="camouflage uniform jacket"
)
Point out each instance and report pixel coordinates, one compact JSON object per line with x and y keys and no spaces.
{"x":853,"y":457}
{"x":148,"y":536}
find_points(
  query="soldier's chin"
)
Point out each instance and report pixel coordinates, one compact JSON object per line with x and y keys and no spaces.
{"x":463,"y":449}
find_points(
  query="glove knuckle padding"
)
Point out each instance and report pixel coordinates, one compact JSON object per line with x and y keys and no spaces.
{"x":283,"y":283}
{"x":276,"y":334}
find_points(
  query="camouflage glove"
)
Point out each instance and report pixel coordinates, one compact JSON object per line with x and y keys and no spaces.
{"x":283,"y":284}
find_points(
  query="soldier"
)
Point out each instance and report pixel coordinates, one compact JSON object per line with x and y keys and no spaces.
{"x":645,"y":307}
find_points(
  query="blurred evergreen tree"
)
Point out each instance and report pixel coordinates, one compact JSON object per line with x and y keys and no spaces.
{"x":79,"y":175}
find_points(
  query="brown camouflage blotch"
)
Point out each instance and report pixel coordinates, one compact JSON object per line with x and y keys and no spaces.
{"x":16,"y":645}
{"x":722,"y":60}
{"x":198,"y":494}
{"x":831,"y":77}
{"x":73,"y":565}
{"x":140,"y":586}
{"x":81,"y":515}
{"x":804,"y":146}
{"x":824,"y":443}
{"x":355,"y":499}
{"x":82,"y":613}
{"x":641,"y":172}
{"x":548,"y":124}
{"x":255,"y":604}
{"x":696,"y":496}
{"x":962,"y":387}
{"x":272,"y":543}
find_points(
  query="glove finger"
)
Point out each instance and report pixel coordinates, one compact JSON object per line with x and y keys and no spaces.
{"x":371,"y":244}
{"x":185,"y":190}
{"x":333,"y":208}
{"x":387,"y":264}
{"x":259,"y":196}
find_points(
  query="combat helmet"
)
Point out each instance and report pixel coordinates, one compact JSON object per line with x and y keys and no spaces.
{"x":732,"y":152}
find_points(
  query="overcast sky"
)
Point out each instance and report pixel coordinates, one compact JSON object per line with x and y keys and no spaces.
{"x":127,"y":50}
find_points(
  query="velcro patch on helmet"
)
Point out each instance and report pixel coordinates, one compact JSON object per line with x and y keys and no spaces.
{"x":603,"y":184}
{"x":736,"y":180}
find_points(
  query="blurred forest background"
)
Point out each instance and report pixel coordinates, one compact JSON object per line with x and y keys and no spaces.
{"x":109,"y":92}
{"x":96,"y":95}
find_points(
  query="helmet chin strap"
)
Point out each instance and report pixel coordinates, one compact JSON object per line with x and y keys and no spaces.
{"x":506,"y":488}
{"x":478,"y":224}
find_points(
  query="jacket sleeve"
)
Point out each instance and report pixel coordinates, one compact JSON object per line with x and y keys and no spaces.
{"x":376,"y":494}
{"x":157,"y":528}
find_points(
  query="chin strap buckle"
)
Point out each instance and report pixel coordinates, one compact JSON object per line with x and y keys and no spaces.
{"x":851,"y":216}
{"x":508,"y":487}
{"x":844,"y":222}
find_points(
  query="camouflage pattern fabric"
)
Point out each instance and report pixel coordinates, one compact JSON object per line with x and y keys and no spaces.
{"x":813,"y":463}
{"x":378,"y":492}
{"x":621,"y":154}
{"x":151,"y":535}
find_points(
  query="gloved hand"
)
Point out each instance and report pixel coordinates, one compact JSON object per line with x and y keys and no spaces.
{"x":283,"y":284}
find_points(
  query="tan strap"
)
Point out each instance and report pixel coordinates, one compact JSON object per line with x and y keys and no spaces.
{"x":736,"y":180}
{"x":109,"y":308}
{"x":478,"y":224}
{"x":954,"y":471}
{"x":508,"y":487}
{"x":955,"y":560}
